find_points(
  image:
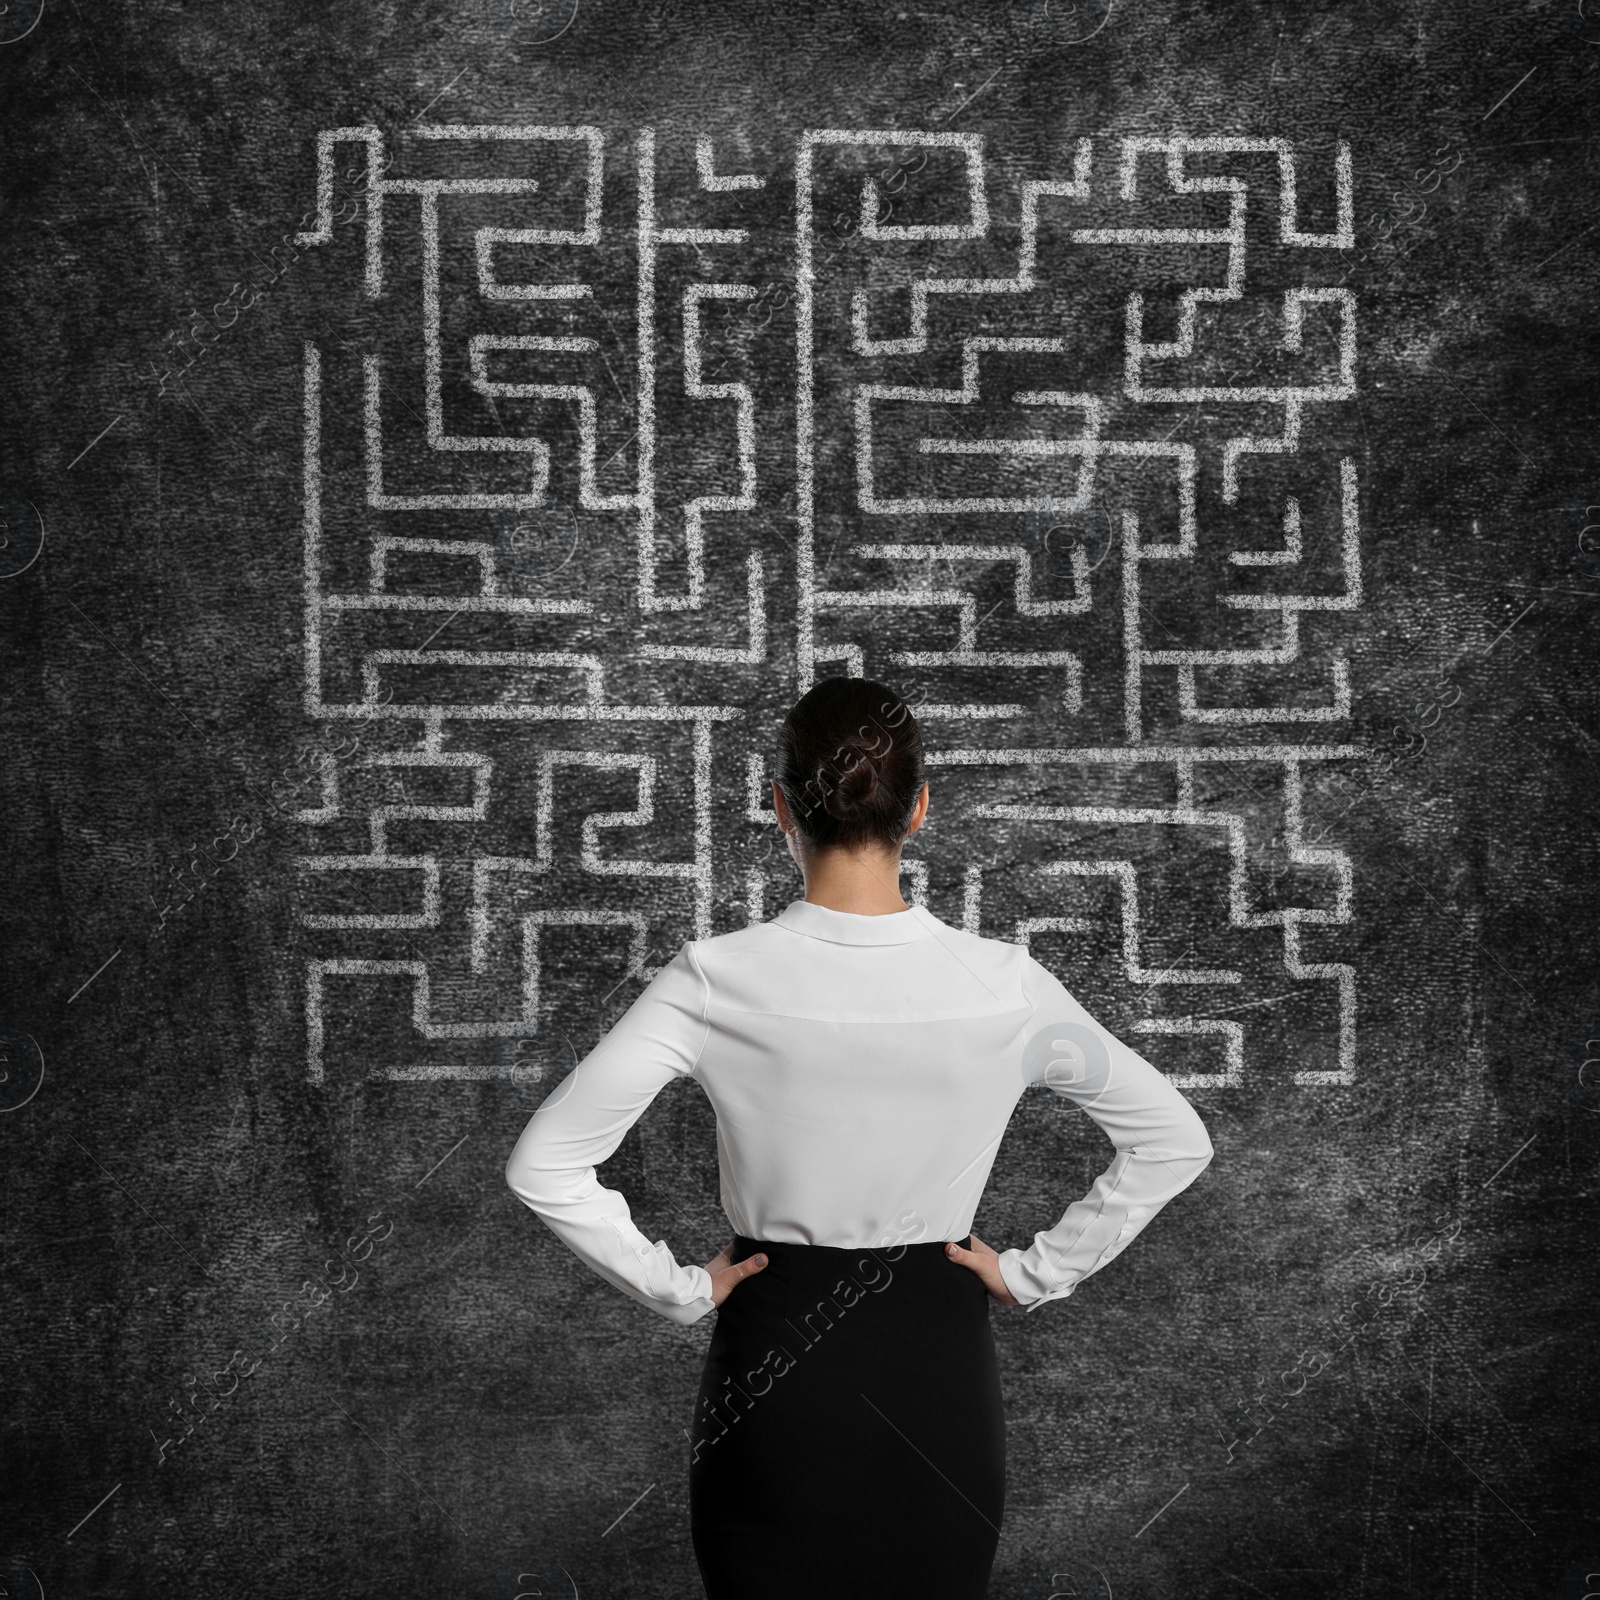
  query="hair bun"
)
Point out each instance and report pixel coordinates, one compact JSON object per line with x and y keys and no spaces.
{"x":856,"y":783}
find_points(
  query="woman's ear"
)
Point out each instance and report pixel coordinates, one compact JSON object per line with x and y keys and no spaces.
{"x":919,"y":811}
{"x":781,"y":807}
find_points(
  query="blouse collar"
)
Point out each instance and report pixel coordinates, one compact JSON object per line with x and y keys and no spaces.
{"x":853,"y":927}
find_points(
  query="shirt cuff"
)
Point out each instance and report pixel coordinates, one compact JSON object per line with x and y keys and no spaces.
{"x":680,"y":1292}
{"x":691,"y":1311}
{"x":1027,"y":1288}
{"x":1031,"y":1290}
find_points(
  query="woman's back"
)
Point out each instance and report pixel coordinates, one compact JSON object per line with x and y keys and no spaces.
{"x":863,"y":1070}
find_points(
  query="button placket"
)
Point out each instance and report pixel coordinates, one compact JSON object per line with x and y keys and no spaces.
{"x":1135,"y":1214}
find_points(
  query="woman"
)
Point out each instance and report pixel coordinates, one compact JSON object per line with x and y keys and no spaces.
{"x":863,"y":1059}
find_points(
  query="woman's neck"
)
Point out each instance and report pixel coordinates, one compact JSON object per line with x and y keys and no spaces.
{"x":866,"y":882}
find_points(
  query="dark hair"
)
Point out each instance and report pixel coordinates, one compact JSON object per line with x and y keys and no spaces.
{"x":850,"y":764}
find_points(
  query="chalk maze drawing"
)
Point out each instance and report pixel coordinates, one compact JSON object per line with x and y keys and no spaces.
{"x":1049,"y":455}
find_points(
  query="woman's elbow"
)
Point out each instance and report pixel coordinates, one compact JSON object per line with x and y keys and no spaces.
{"x":527,"y":1177}
{"x":1186,"y":1141}
{"x":542,"y":1178}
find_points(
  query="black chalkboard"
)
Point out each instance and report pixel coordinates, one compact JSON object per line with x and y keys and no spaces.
{"x":442,"y":441}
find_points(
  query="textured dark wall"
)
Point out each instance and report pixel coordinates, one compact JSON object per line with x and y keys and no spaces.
{"x":1349,"y":883}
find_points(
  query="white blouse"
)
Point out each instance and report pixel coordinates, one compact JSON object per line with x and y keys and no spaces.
{"x":863,"y":1070}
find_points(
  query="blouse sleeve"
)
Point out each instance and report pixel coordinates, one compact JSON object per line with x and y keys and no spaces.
{"x":551,"y":1169}
{"x":1161,"y":1144}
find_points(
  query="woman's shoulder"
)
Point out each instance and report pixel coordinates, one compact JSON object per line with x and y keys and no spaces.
{"x":746,"y":949}
{"x":1001,"y":961}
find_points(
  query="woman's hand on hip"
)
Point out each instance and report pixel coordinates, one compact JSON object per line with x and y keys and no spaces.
{"x":726,"y":1277}
{"x":986,"y":1263}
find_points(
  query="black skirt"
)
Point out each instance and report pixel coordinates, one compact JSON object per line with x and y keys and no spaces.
{"x":849,"y":1436}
